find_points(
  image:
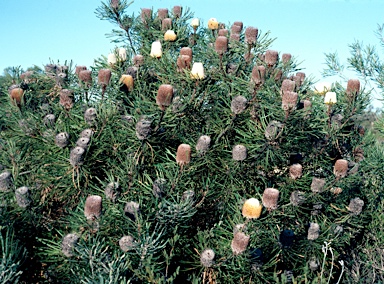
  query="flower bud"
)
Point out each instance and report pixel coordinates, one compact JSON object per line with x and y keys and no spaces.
{"x":313,"y":231}
{"x":207,"y":257}
{"x":213,"y":24}
{"x":76,"y":156}
{"x":23,"y":196}
{"x":270,"y":198}
{"x":239,"y":153}
{"x":170,"y":35}
{"x":195,"y":23}
{"x":111,"y":59}
{"x":295,"y":171}
{"x":183,"y":155}
{"x":197,"y":71}
{"x":93,"y":207}
{"x":340,"y":168}
{"x":104,"y":76}
{"x":121,"y":54}
{"x":164,"y":96}
{"x":271,"y":57}
{"x":239,"y":243}
{"x":68,"y":244}
{"x":62,"y":139}
{"x":239,"y":104}
{"x":66,"y":99}
{"x":251,"y":34}
{"x":162,"y":13}
{"x":156,"y":50}
{"x":221,"y":45}
{"x":203,"y":144}
{"x":252,"y":208}
{"x":126,"y":243}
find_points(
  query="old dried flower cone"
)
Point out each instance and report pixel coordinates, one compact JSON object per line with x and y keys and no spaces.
{"x":143,"y":128}
{"x":66,"y":99}
{"x":223,"y":32}
{"x":270,"y":198}
{"x":83,"y":142}
{"x":221,"y":45}
{"x":164,"y":96}
{"x":183,"y":155}
{"x":80,"y":68}
{"x":251,"y":34}
{"x":162,"y":13}
{"x":90,"y":115}
{"x":271,"y":57}
{"x":252,"y":208}
{"x":146,"y":15}
{"x":353,"y":87}
{"x":138,"y":60}
{"x":286,"y":58}
{"x":295,"y":171}
{"x":68,"y":244}
{"x":87,"y":133}
{"x":239,"y":104}
{"x":93,"y":207}
{"x":239,"y":243}
{"x":203,"y":144}
{"x":297,"y":198}
{"x":313,"y":231}
{"x":340,"y":168}
{"x":287,"y":86}
{"x":132,"y":209}
{"x":85,"y":77}
{"x":62,"y":139}
{"x":207,"y":257}
{"x":159,"y":187}
{"x":355,"y":206}
{"x":104,"y":76}
{"x":239,"y":153}
{"x":23,"y":198}
{"x":126,"y":243}
{"x":258,"y":75}
{"x":76,"y":157}
{"x":177,"y":10}
{"x":111,"y":191}
{"x":317,"y":185}
{"x":5,"y":181}
{"x":289,"y":101}
{"x":166,"y":24}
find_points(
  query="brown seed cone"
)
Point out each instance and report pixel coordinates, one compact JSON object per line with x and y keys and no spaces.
{"x":239,"y":153}
{"x":146,"y":14}
{"x":104,"y":76}
{"x":317,"y":185}
{"x":297,"y":198}
{"x":132,"y":209}
{"x":235,"y":29}
{"x":76,"y":157}
{"x":128,"y":81}
{"x":66,"y":99}
{"x":138,"y":60}
{"x":68,"y":244}
{"x":183,"y":62}
{"x":164,"y":96}
{"x":207,"y":257}
{"x":183,"y":155}
{"x":289,"y":100}
{"x":287,"y":86}
{"x":186,"y":51}
{"x":177,"y":11}
{"x":239,"y":24}
{"x":143,"y":128}
{"x":313,"y":231}
{"x":239,"y":104}
{"x":355,"y":206}
{"x":221,"y":45}
{"x":90,"y":115}
{"x":302,"y":76}
{"x":80,"y":68}
{"x":126,"y":243}
{"x":87,"y":133}
{"x":162,"y":13}
{"x":251,"y":34}
{"x":353,"y":87}
{"x":203,"y":144}
{"x":16,"y":95}
{"x":23,"y":196}
{"x":270,"y":198}
{"x":5,"y":181}
{"x":93,"y":207}
{"x":252,"y":208}
{"x":340,"y":168}
{"x":295,"y":171}
{"x":223,"y":32}
{"x":239,"y":243}
{"x":286,"y":58}
{"x":85,"y":76}
{"x":111,"y":191}
{"x":258,"y":74}
{"x":62,"y":139}
{"x":271,"y":57}
{"x":234,"y":37}
{"x":278,"y":74}
{"x":166,"y":24}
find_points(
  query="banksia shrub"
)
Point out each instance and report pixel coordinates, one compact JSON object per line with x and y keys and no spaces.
{"x":239,"y":243}
{"x":93,"y":207}
{"x":270,"y":198}
{"x":164,"y":96}
{"x":183,"y":155}
{"x":207,"y":257}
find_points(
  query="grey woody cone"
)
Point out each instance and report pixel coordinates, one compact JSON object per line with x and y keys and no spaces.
{"x":162,"y":13}
{"x":104,"y":77}
{"x":203,"y":144}
{"x":297,"y":198}
{"x":86,"y":133}
{"x":90,"y":115}
{"x":126,"y":243}
{"x":5,"y":181}
{"x":143,"y":128}
{"x":68,"y":244}
{"x":188,"y":195}
{"x":49,"y":120}
{"x":338,"y":230}
{"x":317,"y":185}
{"x":111,"y":191}
{"x":273,"y":129}
{"x":221,"y":45}
{"x":66,"y":98}
{"x":239,"y":104}
{"x":356,"y":206}
{"x":270,"y":198}
{"x":353,"y":87}
{"x":132,"y":209}
{"x":313,"y":231}
{"x":295,"y":171}
{"x":76,"y":157}
{"x":313,"y":264}
{"x":45,"y":108}
{"x":93,"y":207}
{"x":164,"y":96}
{"x":251,"y":34}
{"x":207,"y":257}
{"x":271,"y":57}
{"x":239,"y":153}
{"x":159,"y":187}
{"x":166,"y":24}
{"x":239,"y":243}
{"x":286,"y":58}
{"x":177,"y":10}
{"x":85,"y":77}
{"x":138,"y":60}
{"x":340,"y":168}
{"x":83,"y":142}
{"x":23,"y":196}
{"x":223,"y":32}
{"x":258,"y":75}
{"x":62,"y":139}
{"x":80,"y":68}
{"x":183,"y":154}
{"x":287,"y":86}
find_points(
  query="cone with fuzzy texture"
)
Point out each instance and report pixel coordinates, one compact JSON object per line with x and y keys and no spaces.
{"x":104,"y":76}
{"x":252,"y":208}
{"x":162,"y":13}
{"x":90,"y":115}
{"x":68,"y":244}
{"x":186,"y":51}
{"x":313,"y":231}
{"x":146,"y":14}
{"x":76,"y":157}
{"x":23,"y":196}
{"x":234,"y":37}
{"x":86,"y":133}
{"x":83,"y":142}
{"x":93,"y":207}
{"x":286,"y":58}
{"x":272,"y":130}
{"x":85,"y":77}
{"x":317,"y":185}
{"x":170,"y":35}
{"x":302,"y":76}
{"x":5,"y":181}
{"x":126,"y":243}
{"x":239,"y":243}
{"x":166,"y":24}
{"x":66,"y":99}
{"x":138,"y":60}
{"x":287,"y":86}
{"x":297,"y":198}
{"x":223,"y":32}
{"x":356,"y":206}
{"x":239,"y":153}
{"x":111,"y":191}
{"x":183,"y":62}
{"x":251,"y":34}
{"x":207,"y":257}
{"x":80,"y":68}
{"x":271,"y":57}
{"x":177,"y":10}
{"x":289,"y":100}
{"x":183,"y":155}
{"x":203,"y":144}
{"x":295,"y":171}
{"x":159,"y":187}
{"x":258,"y":75}
{"x":221,"y":45}
{"x":270,"y":198}
{"x":62,"y":139}
{"x":239,"y":104}
{"x":340,"y":168}
{"x":353,"y":87}
{"x":164,"y":96}
{"x":236,"y":29}
{"x":143,"y":128}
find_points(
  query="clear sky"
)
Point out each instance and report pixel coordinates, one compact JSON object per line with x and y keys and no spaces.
{"x":35,"y":31}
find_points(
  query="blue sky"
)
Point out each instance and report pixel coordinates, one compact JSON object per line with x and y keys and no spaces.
{"x":40,"y":30}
